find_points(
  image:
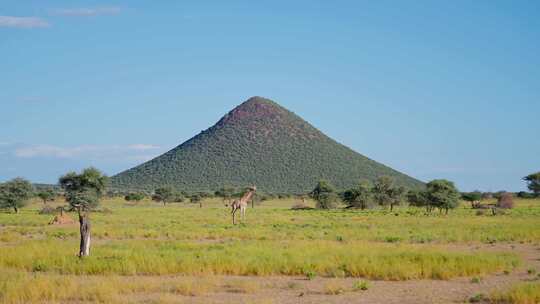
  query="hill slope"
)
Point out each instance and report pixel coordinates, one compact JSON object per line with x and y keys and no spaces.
{"x":260,"y":143}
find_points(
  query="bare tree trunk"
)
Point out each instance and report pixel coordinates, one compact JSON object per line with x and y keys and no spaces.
{"x":16,"y":209}
{"x":200,"y":204}
{"x":84,"y":221}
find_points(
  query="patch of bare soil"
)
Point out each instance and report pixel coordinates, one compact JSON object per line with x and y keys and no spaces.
{"x":282,"y":289}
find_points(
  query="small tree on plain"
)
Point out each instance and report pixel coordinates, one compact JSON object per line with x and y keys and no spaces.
{"x":386,"y":193}
{"x":47,"y":195}
{"x":360,"y":196}
{"x":418,"y":198}
{"x":83,"y":192}
{"x":472,"y":197}
{"x":442,"y":194}
{"x":396,"y":196}
{"x":324,"y":195}
{"x":533,"y":182}
{"x":15,"y":193}
{"x":163,"y":195}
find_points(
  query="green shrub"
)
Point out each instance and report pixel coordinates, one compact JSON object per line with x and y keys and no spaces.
{"x":477,"y":298}
{"x":361,"y":285}
{"x":310,"y":275}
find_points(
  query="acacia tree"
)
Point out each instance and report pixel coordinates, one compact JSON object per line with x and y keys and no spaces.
{"x":386,"y":193}
{"x":418,"y":198}
{"x":442,"y":194}
{"x":83,"y":192}
{"x":533,"y":182}
{"x":396,"y":196}
{"x":472,"y":197}
{"x":381,"y":190}
{"x":163,"y":194}
{"x":360,"y":196}
{"x":47,"y":195}
{"x":15,"y":193}
{"x":324,"y":195}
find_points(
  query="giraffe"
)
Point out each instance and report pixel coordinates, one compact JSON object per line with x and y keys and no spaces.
{"x":242,"y":203}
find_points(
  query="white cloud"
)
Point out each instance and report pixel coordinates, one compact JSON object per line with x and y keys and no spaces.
{"x":96,"y":152}
{"x":143,"y":147}
{"x":96,"y":11}
{"x":23,"y":22}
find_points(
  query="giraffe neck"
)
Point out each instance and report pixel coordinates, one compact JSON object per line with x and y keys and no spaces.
{"x":247,"y":196}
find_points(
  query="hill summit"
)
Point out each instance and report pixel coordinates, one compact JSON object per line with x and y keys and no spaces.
{"x":260,"y":143}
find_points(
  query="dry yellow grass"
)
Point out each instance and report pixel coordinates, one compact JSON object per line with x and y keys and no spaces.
{"x":145,"y":249}
{"x":334,"y":287}
{"x":523,"y":293}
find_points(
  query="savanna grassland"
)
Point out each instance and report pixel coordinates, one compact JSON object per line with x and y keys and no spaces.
{"x":150,"y":253}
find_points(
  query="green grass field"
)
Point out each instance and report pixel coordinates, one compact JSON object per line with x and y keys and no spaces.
{"x":147,"y":240}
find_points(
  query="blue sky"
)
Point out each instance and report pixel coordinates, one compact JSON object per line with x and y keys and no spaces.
{"x":436,"y":89}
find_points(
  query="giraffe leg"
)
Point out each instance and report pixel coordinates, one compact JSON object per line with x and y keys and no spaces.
{"x":233,"y":216}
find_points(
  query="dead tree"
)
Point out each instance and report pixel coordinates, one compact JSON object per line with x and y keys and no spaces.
{"x":84,"y":221}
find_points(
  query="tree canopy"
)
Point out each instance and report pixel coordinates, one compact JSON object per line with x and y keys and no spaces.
{"x":324,"y":195}
{"x":46,"y":195}
{"x":360,"y":196}
{"x":417,"y":198}
{"x":83,"y":190}
{"x":442,"y":194}
{"x":15,"y":193}
{"x":533,"y":182}
{"x":386,"y":193}
{"x":473,"y":197}
{"x":164,"y":195}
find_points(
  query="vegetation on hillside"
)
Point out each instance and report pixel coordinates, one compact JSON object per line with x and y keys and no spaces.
{"x":258,"y":143}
